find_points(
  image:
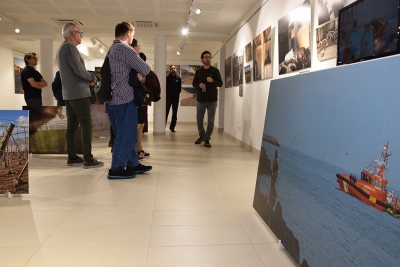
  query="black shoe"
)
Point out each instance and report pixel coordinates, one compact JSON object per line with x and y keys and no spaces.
{"x":207,"y":144}
{"x":139,"y":168}
{"x":198,"y":141}
{"x":172,"y":130}
{"x":121,"y":174}
{"x":92,"y":164}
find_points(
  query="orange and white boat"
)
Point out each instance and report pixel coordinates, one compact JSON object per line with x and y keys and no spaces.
{"x":371,"y":187}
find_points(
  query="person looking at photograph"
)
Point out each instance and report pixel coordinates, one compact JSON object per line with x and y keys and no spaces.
{"x":32,"y":81}
{"x":122,"y":110}
{"x":75,"y":80}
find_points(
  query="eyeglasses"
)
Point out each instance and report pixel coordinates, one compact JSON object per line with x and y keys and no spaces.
{"x":173,"y":68}
{"x":81,"y":33}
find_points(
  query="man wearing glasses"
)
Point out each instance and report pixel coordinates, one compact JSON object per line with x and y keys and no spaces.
{"x":205,"y":81}
{"x":32,"y":81}
{"x":174,"y":87}
{"x":75,"y":80}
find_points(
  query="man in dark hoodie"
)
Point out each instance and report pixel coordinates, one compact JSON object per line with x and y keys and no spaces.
{"x":174,"y":86}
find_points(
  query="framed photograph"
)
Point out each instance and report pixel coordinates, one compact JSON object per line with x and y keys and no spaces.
{"x":228,"y":72}
{"x":188,"y":93}
{"x":14,"y":151}
{"x":326,"y":40}
{"x":247,"y":74}
{"x":294,"y":39}
{"x":19,"y":65}
{"x":262,"y":53}
{"x":328,"y":10}
{"x":249,"y":56}
{"x":237,"y":68}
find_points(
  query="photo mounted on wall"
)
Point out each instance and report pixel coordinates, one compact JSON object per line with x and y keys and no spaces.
{"x":247,"y":74}
{"x":328,"y":10}
{"x":188,"y":93}
{"x":237,"y":68}
{"x":262,"y":52}
{"x":228,"y":72}
{"x":14,"y":151}
{"x":19,"y":65}
{"x":249,"y":57}
{"x":326,"y":40}
{"x":294,"y":39}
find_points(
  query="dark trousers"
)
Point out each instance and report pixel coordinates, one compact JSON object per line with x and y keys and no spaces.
{"x":174,"y":103}
{"x":78,"y":112}
{"x":33,"y":102}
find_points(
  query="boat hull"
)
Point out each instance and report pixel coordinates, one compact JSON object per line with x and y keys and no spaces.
{"x":350,"y":186}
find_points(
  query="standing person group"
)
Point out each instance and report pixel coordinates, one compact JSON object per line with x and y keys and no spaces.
{"x":32,"y":81}
{"x":122,"y":110}
{"x":205,"y":81}
{"x":174,"y":87}
{"x":75,"y":80}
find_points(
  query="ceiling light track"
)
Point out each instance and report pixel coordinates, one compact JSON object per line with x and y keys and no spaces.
{"x":16,"y":22}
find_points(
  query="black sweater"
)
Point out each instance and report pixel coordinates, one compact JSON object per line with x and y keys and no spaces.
{"x":211,"y":93}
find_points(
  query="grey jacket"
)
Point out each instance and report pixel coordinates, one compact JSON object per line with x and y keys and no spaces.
{"x":74,"y":76}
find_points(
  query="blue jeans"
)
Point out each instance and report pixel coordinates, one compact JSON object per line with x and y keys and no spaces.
{"x":123,"y":119}
{"x":211,"y":107}
{"x":78,"y":112}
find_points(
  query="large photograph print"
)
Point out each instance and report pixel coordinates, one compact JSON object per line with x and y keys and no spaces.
{"x":329,"y":169}
{"x":294,"y":39}
{"x":237,"y":68}
{"x":262,"y":51}
{"x":14,"y":150}
{"x":328,"y":10}
{"x":188,"y":93}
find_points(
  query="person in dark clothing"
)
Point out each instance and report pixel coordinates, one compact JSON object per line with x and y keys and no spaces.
{"x":205,"y":81}
{"x":57,"y":89}
{"x":32,"y":81}
{"x":174,"y":86}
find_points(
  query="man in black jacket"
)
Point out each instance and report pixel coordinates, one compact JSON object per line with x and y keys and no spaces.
{"x":174,"y":86}
{"x":205,"y":81}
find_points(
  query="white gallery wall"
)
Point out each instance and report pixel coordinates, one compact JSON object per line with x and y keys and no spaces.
{"x":244,"y":116}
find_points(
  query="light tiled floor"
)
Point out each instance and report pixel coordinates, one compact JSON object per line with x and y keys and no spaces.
{"x":194,"y":209}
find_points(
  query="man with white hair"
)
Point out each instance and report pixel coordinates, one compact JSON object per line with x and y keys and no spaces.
{"x":75,"y":80}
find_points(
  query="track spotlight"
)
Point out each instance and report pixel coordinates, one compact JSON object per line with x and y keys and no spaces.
{"x":93,"y":40}
{"x":185,"y":31}
{"x":180,"y":49}
{"x":0,"y":17}
{"x":101,"y":49}
{"x":191,"y":23}
{"x":195,"y":9}
{"x":16,"y":28}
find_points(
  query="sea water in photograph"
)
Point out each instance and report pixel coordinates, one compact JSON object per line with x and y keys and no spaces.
{"x":332,"y":227}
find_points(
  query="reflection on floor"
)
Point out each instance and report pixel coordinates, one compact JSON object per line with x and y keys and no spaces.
{"x":193,"y":209}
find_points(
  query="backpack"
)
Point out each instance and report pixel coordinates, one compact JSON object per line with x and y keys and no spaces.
{"x":105,"y":92}
{"x":56,"y":87}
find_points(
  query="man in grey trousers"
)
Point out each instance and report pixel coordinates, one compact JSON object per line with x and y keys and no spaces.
{"x":205,"y":81}
{"x":75,"y":80}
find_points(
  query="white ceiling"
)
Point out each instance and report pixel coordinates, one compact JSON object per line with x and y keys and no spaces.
{"x":38,"y":20}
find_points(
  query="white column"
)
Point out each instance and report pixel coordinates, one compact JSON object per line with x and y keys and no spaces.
{"x":160,"y":61}
{"x":221,"y":91}
{"x":46,"y":69}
